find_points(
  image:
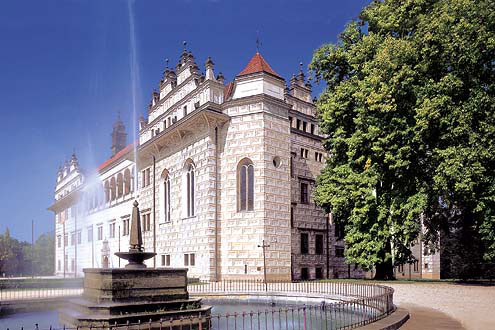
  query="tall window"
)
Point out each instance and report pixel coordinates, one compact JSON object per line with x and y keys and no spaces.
{"x":125,"y":229}
{"x":100,"y":233}
{"x":107,"y":192}
{"x":112,"y":230}
{"x":113,"y":188}
{"x":319,"y":244}
{"x":304,"y":193}
{"x":304,"y":243}
{"x":127,"y":181}
{"x":146,"y":222}
{"x":166,"y":196}
{"x":120,"y":185}
{"x":245,"y":185}
{"x":190,"y":182}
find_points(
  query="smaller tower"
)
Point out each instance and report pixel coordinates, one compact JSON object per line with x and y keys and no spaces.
{"x":209,"y":69}
{"x":119,"y":136}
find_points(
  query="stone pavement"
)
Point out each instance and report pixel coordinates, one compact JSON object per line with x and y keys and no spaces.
{"x":427,"y":318}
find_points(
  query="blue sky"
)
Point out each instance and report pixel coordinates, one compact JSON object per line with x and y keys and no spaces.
{"x":65,"y":73}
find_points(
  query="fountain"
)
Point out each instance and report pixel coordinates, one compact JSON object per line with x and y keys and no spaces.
{"x":116,"y":296}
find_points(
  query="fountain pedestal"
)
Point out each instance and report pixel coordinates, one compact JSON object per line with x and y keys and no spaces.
{"x":134,"y":294}
{"x":118,"y":296}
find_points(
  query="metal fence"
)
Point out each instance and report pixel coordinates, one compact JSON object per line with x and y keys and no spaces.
{"x":352,"y":305}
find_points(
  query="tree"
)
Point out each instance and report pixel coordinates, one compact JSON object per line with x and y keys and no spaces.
{"x":409,"y":114}
{"x":5,"y":250}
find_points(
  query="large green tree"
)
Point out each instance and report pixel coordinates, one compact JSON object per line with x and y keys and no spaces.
{"x":409,"y":111}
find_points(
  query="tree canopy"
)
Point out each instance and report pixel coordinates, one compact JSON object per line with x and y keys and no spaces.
{"x":22,"y":259}
{"x":408,"y":111}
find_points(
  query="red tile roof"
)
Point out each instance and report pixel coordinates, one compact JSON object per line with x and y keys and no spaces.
{"x":258,"y":64}
{"x":227,"y":90}
{"x":116,"y":157}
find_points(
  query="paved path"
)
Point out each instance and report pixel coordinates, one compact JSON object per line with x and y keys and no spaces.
{"x":446,"y":305}
{"x":427,"y":318}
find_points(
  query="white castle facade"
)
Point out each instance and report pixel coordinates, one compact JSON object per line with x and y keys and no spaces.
{"x":223,"y":173}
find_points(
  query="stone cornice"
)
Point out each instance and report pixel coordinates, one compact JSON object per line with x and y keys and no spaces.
{"x":306,"y":134}
{"x":303,"y":115}
{"x":255,"y":98}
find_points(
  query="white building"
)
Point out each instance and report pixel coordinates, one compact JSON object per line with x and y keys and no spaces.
{"x":221,"y":168}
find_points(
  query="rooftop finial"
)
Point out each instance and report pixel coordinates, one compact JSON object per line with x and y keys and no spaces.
{"x":301,"y":65}
{"x":166,"y":63}
{"x":185,"y":44}
{"x":258,"y":42}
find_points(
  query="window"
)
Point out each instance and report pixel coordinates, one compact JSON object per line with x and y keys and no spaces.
{"x":66,"y":239}
{"x":165,"y":259}
{"x":79,"y":237}
{"x":318,"y":157}
{"x":196,"y":105}
{"x":107,"y":192}
{"x":304,"y":274}
{"x":319,"y":244}
{"x":166,"y":196}
{"x":146,"y":174}
{"x":59,"y":265}
{"x":339,"y":230}
{"x":305,"y":126}
{"x":66,"y":261}
{"x":186,"y":259}
{"x":312,"y":128}
{"x":290,"y":121}
{"x":100,"y":233}
{"x":112,"y":230}
{"x":190,"y":183}
{"x":304,"y":153}
{"x":245,"y":185}
{"x":318,"y":273}
{"x":120,"y":185}
{"x":339,"y":251}
{"x":426,"y":265}
{"x":298,"y":123}
{"x":127,"y":181}
{"x":125,"y":227}
{"x":146,"y":219}
{"x":304,"y":243}
{"x":304,"y":193}
{"x":292,"y":155}
{"x":90,"y":234}
{"x":72,"y":265}
{"x":113,"y":191}
{"x":59,"y":241}
{"x":185,"y":110}
{"x":292,"y":217}
{"x":192,"y":259}
{"x":416,"y":266}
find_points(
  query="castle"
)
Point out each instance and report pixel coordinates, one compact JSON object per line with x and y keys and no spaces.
{"x":224,"y":175}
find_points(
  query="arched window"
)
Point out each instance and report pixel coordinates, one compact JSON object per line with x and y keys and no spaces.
{"x":166,"y":196}
{"x":113,"y":188}
{"x":189,"y":180}
{"x":107,"y":192}
{"x":127,"y":181}
{"x":245,"y":185}
{"x":120,"y":185}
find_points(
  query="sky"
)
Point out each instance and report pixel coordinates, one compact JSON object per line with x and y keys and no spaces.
{"x":66,"y":71}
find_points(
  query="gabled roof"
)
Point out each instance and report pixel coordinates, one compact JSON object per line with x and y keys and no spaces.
{"x":258,"y":64}
{"x":227,"y":90}
{"x":116,"y":157}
